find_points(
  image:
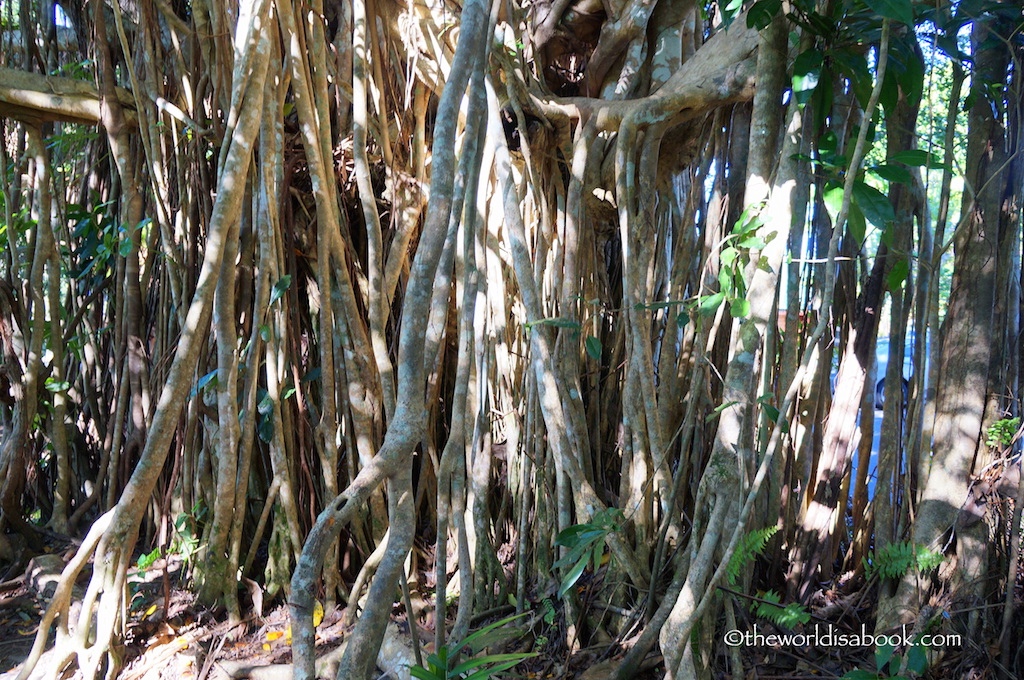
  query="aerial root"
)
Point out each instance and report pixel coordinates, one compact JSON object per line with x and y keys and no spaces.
{"x":60,"y":609}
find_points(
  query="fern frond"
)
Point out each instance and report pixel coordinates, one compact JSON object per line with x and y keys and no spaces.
{"x":749,"y":547}
{"x":786,"y":616}
{"x":896,"y":559}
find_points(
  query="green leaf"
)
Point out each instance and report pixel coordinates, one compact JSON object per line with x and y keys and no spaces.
{"x":889,"y":95}
{"x":728,"y":256}
{"x":897,"y":10}
{"x":729,"y":11}
{"x":264,"y":332}
{"x":203,"y":382}
{"x":917,"y":158}
{"x":739,"y":308}
{"x":314,"y":374}
{"x":54,"y":386}
{"x":479,"y":634}
{"x":917,"y":658}
{"x":892,"y":173}
{"x":877,"y":208}
{"x":573,"y":536}
{"x":829,"y":141}
{"x":488,"y":672}
{"x":882,"y":655}
{"x":858,"y":674}
{"x":726,"y":280}
{"x":682,"y":318}
{"x":593,"y":346}
{"x":856,"y":224}
{"x":750,"y":545}
{"x":574,"y":575}
{"x":718,"y":410}
{"x":265,"y":406}
{"x":424,"y":674}
{"x":793,"y":614}
{"x":806,"y":74}
{"x":709,"y":303}
{"x":490,"y":659}
{"x":752,"y":243}
{"x":578,"y":551}
{"x":894,"y":668}
{"x":280,"y":287}
{"x":266,"y":429}
{"x":833,"y":199}
{"x":762,"y":12}
{"x":898,"y":274}
{"x":440,"y":659}
{"x":549,"y":611}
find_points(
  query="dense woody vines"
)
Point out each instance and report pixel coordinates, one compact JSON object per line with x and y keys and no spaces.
{"x":368,"y":297}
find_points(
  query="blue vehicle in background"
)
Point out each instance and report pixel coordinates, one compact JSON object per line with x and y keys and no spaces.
{"x":882,"y":347}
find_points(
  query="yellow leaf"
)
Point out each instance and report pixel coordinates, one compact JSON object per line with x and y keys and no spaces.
{"x":318,"y":613}
{"x":266,"y":646}
{"x":150,"y":611}
{"x":274,"y":635}
{"x":288,"y":634}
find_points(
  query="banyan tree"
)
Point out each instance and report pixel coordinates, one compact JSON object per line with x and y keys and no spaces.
{"x":459,"y":310}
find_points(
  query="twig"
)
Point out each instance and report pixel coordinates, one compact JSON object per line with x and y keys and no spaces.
{"x":500,"y":610}
{"x":13,"y":584}
{"x":212,"y":656}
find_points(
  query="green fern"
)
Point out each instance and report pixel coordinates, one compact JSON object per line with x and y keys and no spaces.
{"x":896,"y":559}
{"x":748,"y":547}
{"x":549,"y":611}
{"x":786,"y":616}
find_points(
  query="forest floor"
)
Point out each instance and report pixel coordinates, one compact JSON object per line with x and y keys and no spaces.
{"x":169,"y":636}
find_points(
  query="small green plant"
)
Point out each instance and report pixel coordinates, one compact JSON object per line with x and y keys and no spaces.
{"x":739,"y":247}
{"x":586,"y":545}
{"x":443,"y":665}
{"x":896,"y":559}
{"x":786,"y":616}
{"x":1001,"y":432}
{"x":186,"y":536}
{"x":549,"y":611}
{"x":147,"y":560}
{"x":888,"y":663}
{"x":750,"y":546}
